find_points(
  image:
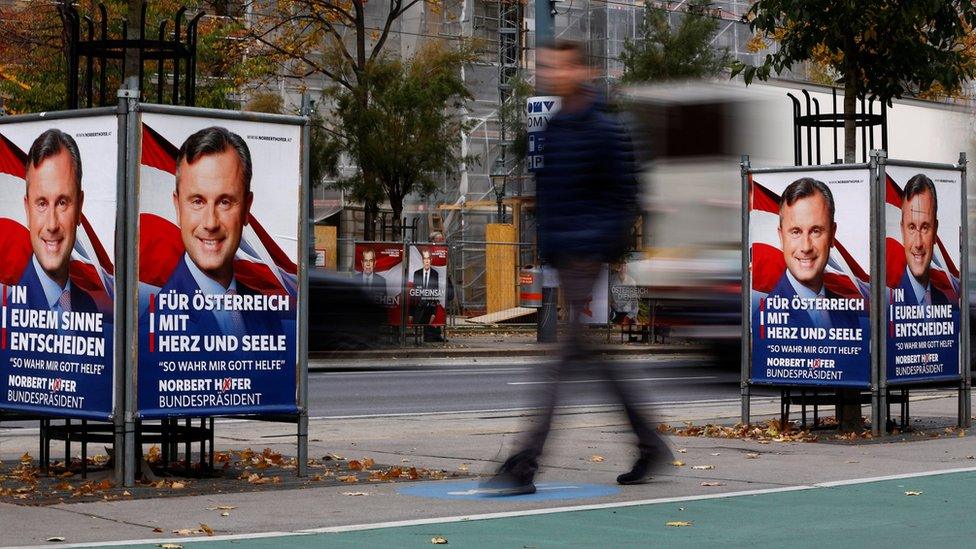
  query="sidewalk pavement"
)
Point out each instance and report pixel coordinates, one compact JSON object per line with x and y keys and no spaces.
{"x":588,"y":446}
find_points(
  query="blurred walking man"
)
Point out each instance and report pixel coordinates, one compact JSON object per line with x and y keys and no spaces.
{"x":586,"y":206}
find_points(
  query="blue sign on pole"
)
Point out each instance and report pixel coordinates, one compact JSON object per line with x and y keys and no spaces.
{"x":538,"y":110}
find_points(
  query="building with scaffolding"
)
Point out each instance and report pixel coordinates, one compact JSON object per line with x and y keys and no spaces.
{"x":465,"y":205}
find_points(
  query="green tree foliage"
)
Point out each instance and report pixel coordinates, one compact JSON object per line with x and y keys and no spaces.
{"x":512,"y":113}
{"x":339,"y":40}
{"x":407,"y":133}
{"x":662,"y":52}
{"x":877,"y":48}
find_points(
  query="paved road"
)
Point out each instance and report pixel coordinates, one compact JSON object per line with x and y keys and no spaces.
{"x":503,"y":384}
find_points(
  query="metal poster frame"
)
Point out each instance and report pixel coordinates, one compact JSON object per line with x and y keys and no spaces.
{"x":117,"y":415}
{"x":963,"y":379}
{"x":746,"y":382}
{"x":300,"y":416}
{"x":879,"y":383}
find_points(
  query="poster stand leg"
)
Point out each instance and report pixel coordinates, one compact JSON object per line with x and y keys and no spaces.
{"x":303,"y":443}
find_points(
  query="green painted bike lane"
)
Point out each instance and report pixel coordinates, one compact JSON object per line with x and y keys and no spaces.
{"x":871,"y":514}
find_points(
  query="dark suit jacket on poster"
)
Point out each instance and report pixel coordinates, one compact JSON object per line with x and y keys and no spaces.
{"x":204,"y":322}
{"x":424,"y":308}
{"x":418,"y":280}
{"x":938,"y":298}
{"x":81,"y":302}
{"x":377,"y":290}
{"x":838,"y":319}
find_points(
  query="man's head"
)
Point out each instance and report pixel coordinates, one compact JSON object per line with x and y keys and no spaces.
{"x":562,"y":68}
{"x":425,"y":255}
{"x":53,"y":201}
{"x":369,"y":262}
{"x":806,"y":230}
{"x":919,"y":225}
{"x":213,"y":199}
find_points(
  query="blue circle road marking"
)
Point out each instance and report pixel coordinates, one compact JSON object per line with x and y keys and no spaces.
{"x":545,"y":491}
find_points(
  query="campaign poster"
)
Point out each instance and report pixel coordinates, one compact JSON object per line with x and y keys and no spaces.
{"x":379,"y":269}
{"x":427,"y":284}
{"x":57,"y":240}
{"x":629,"y":302}
{"x":596,"y":307}
{"x":922,"y":247}
{"x":810,"y":268}
{"x":219,"y":205}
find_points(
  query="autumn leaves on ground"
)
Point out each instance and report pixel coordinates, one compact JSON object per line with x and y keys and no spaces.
{"x":244,"y":470}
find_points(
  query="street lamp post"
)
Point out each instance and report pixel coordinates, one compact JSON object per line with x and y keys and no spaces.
{"x":499,"y":178}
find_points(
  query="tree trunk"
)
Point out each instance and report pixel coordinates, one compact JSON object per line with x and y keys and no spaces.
{"x":396,"y":204}
{"x":133,"y":20}
{"x":369,"y":221}
{"x":850,"y":106}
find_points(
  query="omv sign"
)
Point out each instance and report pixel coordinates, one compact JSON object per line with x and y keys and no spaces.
{"x":539,"y":110}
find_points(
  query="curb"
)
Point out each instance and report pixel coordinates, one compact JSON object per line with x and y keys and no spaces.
{"x":548,"y":350}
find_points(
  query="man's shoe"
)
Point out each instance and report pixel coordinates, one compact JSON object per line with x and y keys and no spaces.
{"x":505,"y":483}
{"x":639,"y":474}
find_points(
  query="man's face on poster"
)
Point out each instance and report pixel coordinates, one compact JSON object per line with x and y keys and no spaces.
{"x":53,"y":203}
{"x":426,"y":257}
{"x":369,"y":262}
{"x":918,"y":230}
{"x":211,"y":209}
{"x":806,"y":233}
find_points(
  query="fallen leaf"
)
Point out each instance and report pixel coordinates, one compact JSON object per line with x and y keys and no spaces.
{"x":913,"y":493}
{"x":438,"y":540}
{"x":713,"y":484}
{"x":597,"y":459}
{"x":678,"y":463}
{"x":355,"y":465}
{"x":177,"y":485}
{"x":351,"y":479}
{"x":185,"y":531}
{"x":206,"y":529}
{"x":222,"y":508}
{"x":355,"y":494}
{"x":368,"y":463}
{"x":225,"y":514}
{"x":702,"y":467}
{"x":158,"y":530}
{"x":463,"y":467}
{"x":715,"y":454}
{"x":678,"y":523}
{"x":682,"y":450}
{"x":56,"y":538}
{"x":171,"y":546}
{"x":970,"y":457}
{"x":752,"y":456}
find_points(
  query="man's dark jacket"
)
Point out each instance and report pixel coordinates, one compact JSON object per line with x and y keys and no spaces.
{"x":587,"y":187}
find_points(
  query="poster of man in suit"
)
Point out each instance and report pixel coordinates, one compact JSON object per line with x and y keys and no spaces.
{"x":922,"y":211}
{"x":428,"y":284}
{"x":57,"y":231}
{"x":810,"y":265}
{"x":218,"y":265}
